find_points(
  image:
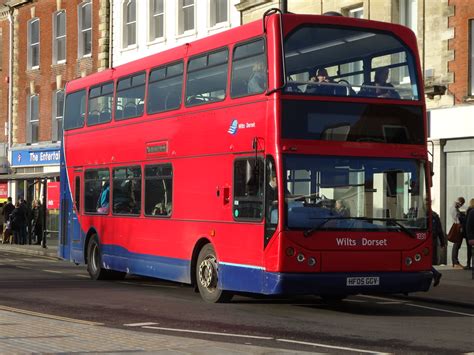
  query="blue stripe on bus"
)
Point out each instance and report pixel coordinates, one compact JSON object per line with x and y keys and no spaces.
{"x":120,"y":259}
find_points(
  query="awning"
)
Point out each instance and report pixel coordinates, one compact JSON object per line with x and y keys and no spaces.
{"x":35,"y":176}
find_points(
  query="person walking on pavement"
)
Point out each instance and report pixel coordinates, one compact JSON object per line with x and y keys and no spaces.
{"x":438,"y":236}
{"x":468,"y":233}
{"x":37,"y":226}
{"x":458,"y":218}
{"x":8,"y":209}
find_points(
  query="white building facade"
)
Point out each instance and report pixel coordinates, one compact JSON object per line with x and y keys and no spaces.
{"x":144,"y":27}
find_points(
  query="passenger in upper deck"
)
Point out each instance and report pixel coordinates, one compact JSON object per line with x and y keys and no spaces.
{"x":320,"y":84}
{"x":257,"y":81}
{"x":379,"y":87}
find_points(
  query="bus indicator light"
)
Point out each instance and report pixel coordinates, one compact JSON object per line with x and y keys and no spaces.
{"x":290,"y":251}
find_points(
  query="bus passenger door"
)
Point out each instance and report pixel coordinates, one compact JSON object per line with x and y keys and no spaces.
{"x":75,"y":231}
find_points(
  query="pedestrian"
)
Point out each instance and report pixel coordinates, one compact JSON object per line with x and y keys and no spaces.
{"x":438,"y":236}
{"x":465,"y":228}
{"x":37,"y":227}
{"x":458,"y":218}
{"x":8,"y":209}
{"x":2,"y":219}
{"x":17,"y":220}
{"x":29,"y":220}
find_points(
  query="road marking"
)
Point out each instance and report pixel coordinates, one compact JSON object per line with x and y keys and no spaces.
{"x":380,"y":298}
{"x":354,"y":301}
{"x":390,"y":302}
{"x":210,"y":333}
{"x":329,"y":346}
{"x":52,"y":271}
{"x":440,"y":309}
{"x":24,"y":267}
{"x":139,"y":324}
{"x":49,"y":316}
{"x":80,"y":275}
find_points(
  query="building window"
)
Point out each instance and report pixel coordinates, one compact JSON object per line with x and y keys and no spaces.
{"x":185,"y":16}
{"x":471,"y":57}
{"x":408,"y":14}
{"x":218,"y":12}
{"x":32,"y":123}
{"x":85,"y":29}
{"x":157,"y":19}
{"x":129,"y":32}
{"x":58,"y":109}
{"x":33,"y":44}
{"x":59,"y":40}
{"x":357,"y":12}
{"x":408,"y":17}
{"x":1,"y":48}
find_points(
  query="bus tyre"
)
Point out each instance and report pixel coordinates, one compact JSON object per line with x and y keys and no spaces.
{"x":94,"y":260}
{"x":206,"y":277}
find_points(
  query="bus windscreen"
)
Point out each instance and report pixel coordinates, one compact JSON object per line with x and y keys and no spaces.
{"x":338,"y":61}
{"x":347,"y":193}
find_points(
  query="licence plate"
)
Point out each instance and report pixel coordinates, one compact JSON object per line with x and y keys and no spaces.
{"x":363,"y":281}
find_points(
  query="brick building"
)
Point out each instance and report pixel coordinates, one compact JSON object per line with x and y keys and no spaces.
{"x":5,"y":87}
{"x":54,"y":41}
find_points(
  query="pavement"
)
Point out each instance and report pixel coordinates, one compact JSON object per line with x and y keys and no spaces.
{"x":29,"y":332}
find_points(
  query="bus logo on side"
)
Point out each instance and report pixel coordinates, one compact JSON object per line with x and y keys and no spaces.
{"x":233,"y":127}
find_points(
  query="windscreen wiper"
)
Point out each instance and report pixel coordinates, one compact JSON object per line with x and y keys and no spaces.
{"x":307,"y":233}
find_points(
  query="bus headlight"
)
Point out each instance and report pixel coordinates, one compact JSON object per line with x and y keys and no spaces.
{"x":300,"y":257}
{"x":408,"y":261}
{"x":417,"y":257}
{"x":311,"y":261}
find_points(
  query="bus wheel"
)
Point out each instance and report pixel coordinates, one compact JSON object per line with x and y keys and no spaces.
{"x":94,"y":260}
{"x":206,"y":277}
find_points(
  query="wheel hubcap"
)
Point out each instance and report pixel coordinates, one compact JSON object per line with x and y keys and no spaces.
{"x":208,"y":272}
{"x":94,"y":258}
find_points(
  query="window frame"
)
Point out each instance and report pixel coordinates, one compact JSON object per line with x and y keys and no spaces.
{"x":166,"y":78}
{"x":206,"y":67}
{"x":213,"y":12}
{"x":261,"y":198}
{"x":145,"y":178}
{"x":265,"y":54}
{"x":81,"y":50}
{"x":56,"y":126}
{"x":139,"y":179}
{"x":101,"y":86}
{"x":152,"y":14}
{"x":127,"y":23}
{"x":85,"y":180}
{"x":31,"y":123}
{"x":180,"y":30}
{"x":31,"y":45}
{"x":117,"y":91}
{"x":80,"y":91}
{"x":57,"y":38}
{"x":471,"y":58}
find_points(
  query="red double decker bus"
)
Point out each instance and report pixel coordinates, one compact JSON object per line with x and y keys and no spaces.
{"x":285,"y":156}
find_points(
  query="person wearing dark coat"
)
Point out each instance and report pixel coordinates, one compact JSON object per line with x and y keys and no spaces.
{"x":37,"y":226}
{"x":18,"y":224}
{"x":8,"y":209}
{"x":468,"y":230}
{"x":438,"y":236}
